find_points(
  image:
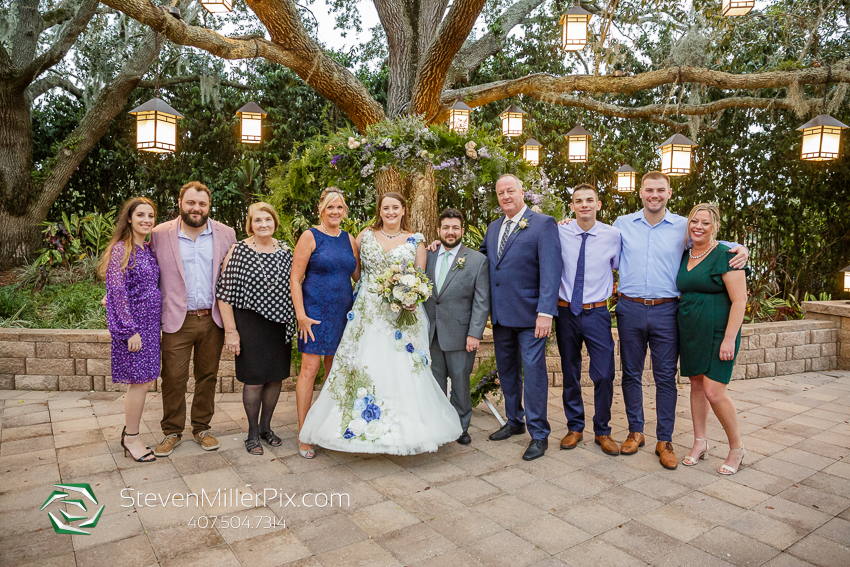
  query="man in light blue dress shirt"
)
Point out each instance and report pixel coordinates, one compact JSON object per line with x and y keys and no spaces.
{"x":647,"y":309}
{"x":590,"y":250}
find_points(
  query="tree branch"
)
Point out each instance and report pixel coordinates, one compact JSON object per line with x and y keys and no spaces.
{"x":52,"y":81}
{"x":291,"y":47}
{"x":543,"y":83}
{"x":432,"y":75}
{"x":473,"y":54}
{"x":395,"y":20}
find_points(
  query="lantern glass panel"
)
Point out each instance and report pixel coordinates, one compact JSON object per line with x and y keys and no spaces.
{"x":218,"y":6}
{"x":846,"y":281}
{"x":626,"y":182}
{"x":574,"y":33}
{"x":737,"y":7}
{"x":676,"y":159}
{"x":531,"y":154}
{"x":156,"y":132}
{"x":512,"y":124}
{"x":459,"y":121}
{"x":577,"y":149}
{"x":252,"y":128}
{"x":821,"y":143}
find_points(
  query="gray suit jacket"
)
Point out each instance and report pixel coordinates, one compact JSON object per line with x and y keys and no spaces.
{"x":461,"y":308}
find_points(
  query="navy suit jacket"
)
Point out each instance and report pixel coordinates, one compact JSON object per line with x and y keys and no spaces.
{"x":525,"y":281}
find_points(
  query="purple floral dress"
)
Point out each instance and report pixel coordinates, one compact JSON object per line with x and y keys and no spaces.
{"x":134,"y":305}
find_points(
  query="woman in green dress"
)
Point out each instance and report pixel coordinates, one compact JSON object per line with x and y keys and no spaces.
{"x":711,"y":310}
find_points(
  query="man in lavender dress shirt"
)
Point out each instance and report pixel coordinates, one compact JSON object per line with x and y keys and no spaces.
{"x":189,"y":251}
{"x":590,"y":250}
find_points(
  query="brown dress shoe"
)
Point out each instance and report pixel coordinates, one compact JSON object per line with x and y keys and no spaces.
{"x":609,"y":446}
{"x":664,"y":450}
{"x":571,"y":439}
{"x":632,"y":443}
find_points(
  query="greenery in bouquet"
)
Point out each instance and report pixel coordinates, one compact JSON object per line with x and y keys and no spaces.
{"x":485,"y":380}
{"x":403,"y":286}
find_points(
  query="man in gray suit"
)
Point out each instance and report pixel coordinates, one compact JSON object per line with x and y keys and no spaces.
{"x":457,"y":310}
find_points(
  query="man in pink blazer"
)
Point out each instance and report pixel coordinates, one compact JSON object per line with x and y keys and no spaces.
{"x":189,"y":251}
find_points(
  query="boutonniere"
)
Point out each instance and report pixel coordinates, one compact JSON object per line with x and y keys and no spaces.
{"x":460,"y":264}
{"x":523,"y":223}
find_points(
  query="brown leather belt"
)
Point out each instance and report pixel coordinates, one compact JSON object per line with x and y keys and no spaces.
{"x":649,"y":302}
{"x":562,"y":303}
{"x":200,"y":312}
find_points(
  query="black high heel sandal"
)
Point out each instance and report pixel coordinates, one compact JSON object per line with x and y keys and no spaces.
{"x":144,"y":458}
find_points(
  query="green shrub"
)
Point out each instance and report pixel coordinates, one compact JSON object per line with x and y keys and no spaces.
{"x":68,"y":306}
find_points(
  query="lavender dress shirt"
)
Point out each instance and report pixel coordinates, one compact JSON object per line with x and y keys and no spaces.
{"x":601,"y":256}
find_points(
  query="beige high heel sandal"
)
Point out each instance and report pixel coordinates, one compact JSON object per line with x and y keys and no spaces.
{"x":690,"y":461}
{"x":726,"y":469}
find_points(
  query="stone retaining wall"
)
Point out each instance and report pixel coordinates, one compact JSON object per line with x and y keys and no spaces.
{"x":58,"y":359}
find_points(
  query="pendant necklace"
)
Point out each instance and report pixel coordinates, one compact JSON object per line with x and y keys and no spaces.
{"x":270,"y":285}
{"x":390,"y":235}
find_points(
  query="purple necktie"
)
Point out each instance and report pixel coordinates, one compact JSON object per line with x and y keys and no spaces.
{"x":578,"y":285}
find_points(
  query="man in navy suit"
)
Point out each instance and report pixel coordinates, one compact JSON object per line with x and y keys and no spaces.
{"x":524,"y":251}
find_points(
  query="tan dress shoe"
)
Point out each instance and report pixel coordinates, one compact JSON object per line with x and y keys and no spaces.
{"x":167,"y":445}
{"x":634,"y":441}
{"x":207,"y":440}
{"x":571,"y":439}
{"x":664,"y":450}
{"x":609,"y":446}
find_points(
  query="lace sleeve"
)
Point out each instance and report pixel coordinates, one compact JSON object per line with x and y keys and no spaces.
{"x":119,"y":315}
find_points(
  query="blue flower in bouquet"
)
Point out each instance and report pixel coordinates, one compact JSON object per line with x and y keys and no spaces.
{"x":350,"y":316}
{"x":348,"y":434}
{"x":371,"y":412}
{"x":370,"y":399}
{"x":411,"y":240}
{"x":360,"y":404}
{"x":398,"y":335}
{"x":410,"y":348}
{"x":355,"y":295}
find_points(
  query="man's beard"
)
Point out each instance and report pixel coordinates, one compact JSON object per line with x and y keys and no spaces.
{"x":447,"y":245}
{"x":186,"y":217}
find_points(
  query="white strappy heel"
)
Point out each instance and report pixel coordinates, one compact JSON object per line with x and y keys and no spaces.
{"x":690,"y":461}
{"x":726,"y":469}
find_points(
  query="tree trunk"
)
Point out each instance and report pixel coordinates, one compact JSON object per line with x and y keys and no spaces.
{"x":20,"y":237}
{"x":389,"y":181}
{"x":423,"y":204}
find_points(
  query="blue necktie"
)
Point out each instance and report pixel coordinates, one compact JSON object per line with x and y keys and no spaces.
{"x":505,"y":237}
{"x":578,"y":285}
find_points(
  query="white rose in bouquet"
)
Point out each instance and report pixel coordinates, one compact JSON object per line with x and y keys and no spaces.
{"x":409,"y":280}
{"x":374,"y":429}
{"x":358,"y":426}
{"x":361,"y":392}
{"x":398,"y":293}
{"x":395,"y":308}
{"x":423,"y":289}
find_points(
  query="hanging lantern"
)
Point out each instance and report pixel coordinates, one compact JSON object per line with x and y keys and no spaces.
{"x":217,"y":6}
{"x":578,"y":144}
{"x":512,"y":121}
{"x":846,"y":278}
{"x":156,"y":126}
{"x":459,"y":118}
{"x":574,"y":28}
{"x":252,"y":123}
{"x":626,"y":178}
{"x":821,"y":138}
{"x":737,"y":7}
{"x":676,"y":155}
{"x":531,"y":151}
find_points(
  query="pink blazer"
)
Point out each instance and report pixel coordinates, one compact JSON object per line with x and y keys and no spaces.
{"x":172,"y":282}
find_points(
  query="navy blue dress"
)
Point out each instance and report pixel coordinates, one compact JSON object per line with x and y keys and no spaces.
{"x":327,"y":291}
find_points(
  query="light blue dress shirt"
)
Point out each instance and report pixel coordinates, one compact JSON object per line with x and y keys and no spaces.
{"x":197,"y":258}
{"x":601,"y":256}
{"x":652,"y":255}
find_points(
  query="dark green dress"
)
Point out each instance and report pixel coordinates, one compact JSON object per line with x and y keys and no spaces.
{"x":703,"y":316}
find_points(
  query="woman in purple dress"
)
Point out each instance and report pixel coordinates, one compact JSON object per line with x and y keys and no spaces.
{"x":133,"y":313}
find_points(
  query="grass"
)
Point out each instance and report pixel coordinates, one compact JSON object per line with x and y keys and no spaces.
{"x":55,"y":306}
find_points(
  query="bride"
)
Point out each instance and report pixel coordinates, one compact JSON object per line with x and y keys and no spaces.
{"x":380,"y":396}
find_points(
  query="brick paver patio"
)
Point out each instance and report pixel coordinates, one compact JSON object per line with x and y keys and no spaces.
{"x":474,"y":505}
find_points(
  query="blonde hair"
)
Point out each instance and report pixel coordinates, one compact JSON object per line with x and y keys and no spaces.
{"x":655,"y":175}
{"x":260,"y":206}
{"x":330,"y":195}
{"x":714,"y":215}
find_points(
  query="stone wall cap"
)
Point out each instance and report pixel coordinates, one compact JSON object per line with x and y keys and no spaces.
{"x":840,"y":308}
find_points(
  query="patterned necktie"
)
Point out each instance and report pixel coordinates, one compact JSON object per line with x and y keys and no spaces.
{"x":444,"y":270}
{"x":578,"y":285}
{"x":505,"y":236}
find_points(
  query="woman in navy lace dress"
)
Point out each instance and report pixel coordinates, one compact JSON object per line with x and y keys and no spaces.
{"x":325,"y":263}
{"x":133,"y":313}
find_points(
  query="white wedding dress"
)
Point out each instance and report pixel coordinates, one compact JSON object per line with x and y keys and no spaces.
{"x":380,"y":396}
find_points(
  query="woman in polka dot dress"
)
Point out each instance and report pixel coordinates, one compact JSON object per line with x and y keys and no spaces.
{"x":133,"y":315}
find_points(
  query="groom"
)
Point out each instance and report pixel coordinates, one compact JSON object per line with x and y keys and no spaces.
{"x":457,"y":310}
{"x":524,"y":250}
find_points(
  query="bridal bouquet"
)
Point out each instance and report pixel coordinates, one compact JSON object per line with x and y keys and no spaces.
{"x":403,"y":286}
